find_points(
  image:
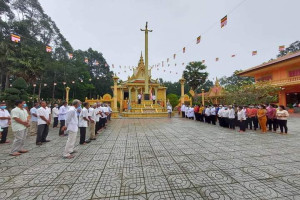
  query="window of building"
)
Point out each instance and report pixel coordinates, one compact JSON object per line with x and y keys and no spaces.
{"x":265,"y":78}
{"x":295,"y":72}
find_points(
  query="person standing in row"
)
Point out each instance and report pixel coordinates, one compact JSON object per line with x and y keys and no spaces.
{"x":271,"y":117}
{"x":207,"y":114}
{"x":20,"y":123}
{"x":33,"y":119}
{"x":213,"y":114}
{"x":282,"y":116}
{"x":83,"y":122}
{"x":262,"y":118}
{"x":55,"y":113}
{"x":183,"y":110}
{"x":139,"y":98}
{"x":97,"y":112}
{"x":242,"y":119}
{"x":169,"y":109}
{"x":231,"y":117}
{"x":71,"y":126}
{"x":92,"y":119}
{"x":62,"y":117}
{"x":5,"y":121}
{"x":44,"y":121}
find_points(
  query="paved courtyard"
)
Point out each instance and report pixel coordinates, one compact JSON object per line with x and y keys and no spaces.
{"x":158,"y":159}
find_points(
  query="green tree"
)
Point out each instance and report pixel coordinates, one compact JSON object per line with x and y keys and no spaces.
{"x":235,"y":82}
{"x":294,"y":47}
{"x":173,"y":99}
{"x":194,"y":74}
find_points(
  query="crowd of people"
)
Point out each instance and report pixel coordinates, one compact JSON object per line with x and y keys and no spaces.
{"x":253,"y":117}
{"x":88,"y":119}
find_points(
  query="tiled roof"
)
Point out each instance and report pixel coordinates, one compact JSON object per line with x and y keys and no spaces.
{"x":272,"y":62}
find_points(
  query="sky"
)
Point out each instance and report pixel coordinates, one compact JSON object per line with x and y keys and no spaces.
{"x":112,"y":27}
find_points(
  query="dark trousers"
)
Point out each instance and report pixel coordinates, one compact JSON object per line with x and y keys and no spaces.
{"x":255,"y":122}
{"x":153,"y":101}
{"x":249,"y":123}
{"x":272,"y":123}
{"x":220,"y":121}
{"x":243,"y":125}
{"x":42,"y":133}
{"x":55,"y":122}
{"x":82,"y":134}
{"x":201,"y":117}
{"x":197,"y":116}
{"x":183,"y":114}
{"x":97,"y":128}
{"x":62,"y":123}
{"x":225,"y":122}
{"x":232,"y":123}
{"x":207,"y":119}
{"x":4,"y":135}
{"x":283,"y":124}
{"x":213,"y":119}
{"x":139,"y":101}
{"x":102,"y":122}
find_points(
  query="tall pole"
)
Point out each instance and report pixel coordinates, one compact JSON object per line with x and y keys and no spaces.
{"x":202,"y":96}
{"x":182,"y":81}
{"x":146,"y":94}
{"x":115,"y":107}
{"x":67,"y":94}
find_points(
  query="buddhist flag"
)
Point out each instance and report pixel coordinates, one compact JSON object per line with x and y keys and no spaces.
{"x":233,"y":55}
{"x":118,"y":72}
{"x":113,"y":66}
{"x":86,"y":60}
{"x":176,"y":73}
{"x":170,"y":72}
{"x":183,"y":50}
{"x":174,"y":56}
{"x":224,"y":21}
{"x":164,"y":70}
{"x":198,"y":39}
{"x":217,"y":59}
{"x":120,"y":66}
{"x":70,"y":55}
{"x":175,"y":64}
{"x":95,"y":63}
{"x":254,"y":53}
{"x":105,"y":65}
{"x":182,"y":63}
{"x":15,"y":38}
{"x":281,"y":48}
{"x":48,"y":49}
{"x":162,"y":63}
{"x":167,"y":59}
{"x":203,"y":61}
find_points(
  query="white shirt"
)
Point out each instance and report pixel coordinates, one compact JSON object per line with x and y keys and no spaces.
{"x":231,"y":114}
{"x":92,"y":113}
{"x":139,"y":96}
{"x":84,"y":113}
{"x":72,"y":119}
{"x":21,"y":114}
{"x":207,"y":111}
{"x":191,"y":112}
{"x":4,"y":122}
{"x":213,"y":111}
{"x":169,"y":108}
{"x":241,"y":115}
{"x":226,"y":113}
{"x":97,"y":110}
{"x":103,"y":110}
{"x":220,"y":112}
{"x":109,"y":109}
{"x":55,"y":112}
{"x":33,"y":118}
{"x":62,"y":112}
{"x":42,"y":112}
{"x":183,"y":108}
{"x":153,"y":97}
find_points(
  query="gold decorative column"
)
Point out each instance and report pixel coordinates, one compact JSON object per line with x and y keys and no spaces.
{"x":136,"y":94}
{"x":129,"y":93}
{"x":156,"y":89}
{"x":121,"y":100}
{"x":115,"y":107}
{"x":202,"y":96}
{"x":67,"y":94}
{"x":182,"y":81}
{"x":146,"y":94}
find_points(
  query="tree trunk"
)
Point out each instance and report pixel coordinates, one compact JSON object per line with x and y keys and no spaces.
{"x":40,"y":90}
{"x":6,"y":81}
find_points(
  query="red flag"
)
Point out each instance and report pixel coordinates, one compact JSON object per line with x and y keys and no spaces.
{"x":182,"y":63}
{"x":70,"y":56}
{"x":233,"y":55}
{"x":281,"y":48}
{"x":217,"y":59}
{"x":254,"y":53}
{"x":48,"y":49}
{"x":167,"y":59}
{"x":15,"y":38}
{"x":106,"y":65}
{"x":86,"y":60}
{"x":162,"y":63}
{"x":183,"y":50}
{"x":174,"y":56}
{"x":113,"y":66}
{"x":203,"y":61}
{"x":224,"y":21}
{"x":198,"y":39}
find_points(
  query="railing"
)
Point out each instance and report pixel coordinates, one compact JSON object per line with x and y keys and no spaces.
{"x":291,"y":80}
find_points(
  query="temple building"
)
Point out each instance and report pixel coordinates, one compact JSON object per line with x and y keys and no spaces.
{"x":283,"y":72}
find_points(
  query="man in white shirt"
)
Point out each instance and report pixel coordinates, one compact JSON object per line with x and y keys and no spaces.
{"x":62,"y":117}
{"x":213,"y":114}
{"x":72,"y":128}
{"x":44,"y":121}
{"x":183,"y":110}
{"x":231,"y":117}
{"x":55,"y":113}
{"x":139,"y":98}
{"x":92,"y":119}
{"x":153,"y":98}
{"x":83,"y":122}
{"x":226,"y":117}
{"x":109,"y":112}
{"x":33,"y":119}
{"x":4,"y":122}
{"x":98,"y":115}
{"x":103,"y":119}
{"x":186,"y":111}
{"x":169,"y":109}
{"x":19,"y":126}
{"x":220,"y":115}
{"x":207,"y":114}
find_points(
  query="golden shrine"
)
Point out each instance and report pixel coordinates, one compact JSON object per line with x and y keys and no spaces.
{"x":215,"y":95}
